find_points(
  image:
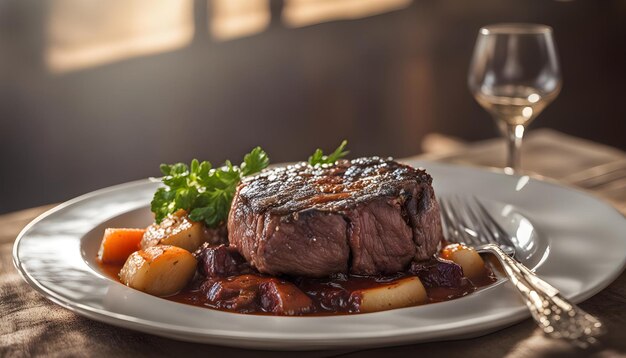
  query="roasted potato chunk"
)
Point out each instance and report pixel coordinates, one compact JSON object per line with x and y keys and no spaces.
{"x":404,"y":292}
{"x":176,"y":230}
{"x":466,"y":257}
{"x":159,"y":270}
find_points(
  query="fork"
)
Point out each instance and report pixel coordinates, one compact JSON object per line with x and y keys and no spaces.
{"x":471,"y":224}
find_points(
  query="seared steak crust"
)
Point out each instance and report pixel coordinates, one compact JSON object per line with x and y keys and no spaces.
{"x":366,"y":216}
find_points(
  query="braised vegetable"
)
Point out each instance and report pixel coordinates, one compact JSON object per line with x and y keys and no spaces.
{"x":176,"y":230}
{"x":204,"y":192}
{"x":159,"y":270}
{"x":118,"y":243}
{"x":466,"y":257}
{"x":401,"y":293}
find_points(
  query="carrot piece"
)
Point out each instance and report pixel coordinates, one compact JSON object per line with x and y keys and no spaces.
{"x":118,"y":243}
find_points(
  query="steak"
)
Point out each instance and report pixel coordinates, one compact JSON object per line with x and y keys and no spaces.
{"x":368,"y":216}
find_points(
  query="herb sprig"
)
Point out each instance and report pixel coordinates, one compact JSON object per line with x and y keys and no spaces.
{"x":204,"y":192}
{"x":318,"y":156}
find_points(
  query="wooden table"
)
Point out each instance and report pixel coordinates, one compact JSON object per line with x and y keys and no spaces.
{"x":32,"y":326}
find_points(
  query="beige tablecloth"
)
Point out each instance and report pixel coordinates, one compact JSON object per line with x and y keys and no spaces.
{"x":33,"y":326}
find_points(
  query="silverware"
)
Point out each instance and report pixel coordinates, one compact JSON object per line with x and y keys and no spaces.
{"x":470,"y":223}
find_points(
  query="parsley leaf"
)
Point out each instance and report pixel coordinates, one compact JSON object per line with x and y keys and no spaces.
{"x":318,"y":156}
{"x":254,"y":162}
{"x":204,"y":192}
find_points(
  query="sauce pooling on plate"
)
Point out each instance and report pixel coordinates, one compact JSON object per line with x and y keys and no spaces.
{"x":253,"y":293}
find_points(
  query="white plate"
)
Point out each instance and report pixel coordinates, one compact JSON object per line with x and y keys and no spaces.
{"x":576,"y":242}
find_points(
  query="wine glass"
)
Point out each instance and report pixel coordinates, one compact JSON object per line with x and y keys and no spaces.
{"x":514,"y":75}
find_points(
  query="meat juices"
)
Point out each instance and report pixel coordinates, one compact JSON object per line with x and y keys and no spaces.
{"x":368,"y":216}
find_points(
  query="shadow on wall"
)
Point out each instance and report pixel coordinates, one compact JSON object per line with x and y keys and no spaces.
{"x":84,"y":35}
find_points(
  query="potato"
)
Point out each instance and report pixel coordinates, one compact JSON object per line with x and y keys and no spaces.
{"x":159,"y":270}
{"x":466,"y":257}
{"x":404,"y":292}
{"x":176,"y":230}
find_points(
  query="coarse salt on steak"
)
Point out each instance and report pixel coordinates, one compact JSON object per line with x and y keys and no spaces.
{"x":367,"y":216}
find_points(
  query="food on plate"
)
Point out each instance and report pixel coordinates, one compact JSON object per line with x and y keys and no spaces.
{"x":438,"y":272}
{"x":250,"y":293}
{"x":160,"y":270}
{"x":368,"y":216}
{"x":471,"y":262}
{"x":327,"y":236}
{"x":204,"y":192}
{"x":220,"y":261}
{"x":404,"y":292}
{"x":177,"y":230}
{"x":118,"y":243}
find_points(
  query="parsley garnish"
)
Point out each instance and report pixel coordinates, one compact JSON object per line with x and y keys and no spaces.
{"x":204,"y":192}
{"x":318,"y":156}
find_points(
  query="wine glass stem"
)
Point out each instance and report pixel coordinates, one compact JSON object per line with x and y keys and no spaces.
{"x":514,"y":134}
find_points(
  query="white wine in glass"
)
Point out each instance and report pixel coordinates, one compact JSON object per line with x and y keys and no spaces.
{"x":514,"y":75}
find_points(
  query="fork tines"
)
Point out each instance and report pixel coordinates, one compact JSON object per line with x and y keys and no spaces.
{"x":467,"y":220}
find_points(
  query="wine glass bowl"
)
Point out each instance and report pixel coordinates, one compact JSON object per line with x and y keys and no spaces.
{"x":514,"y":75}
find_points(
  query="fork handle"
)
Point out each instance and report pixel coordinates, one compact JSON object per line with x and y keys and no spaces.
{"x":557,"y":316}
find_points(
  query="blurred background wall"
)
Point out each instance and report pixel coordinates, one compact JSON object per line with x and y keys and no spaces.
{"x":95,"y":93}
